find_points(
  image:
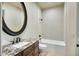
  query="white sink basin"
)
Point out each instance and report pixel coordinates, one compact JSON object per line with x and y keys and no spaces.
{"x":20,"y":44}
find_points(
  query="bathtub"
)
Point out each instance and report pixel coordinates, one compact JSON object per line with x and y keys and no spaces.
{"x":53,"y":42}
{"x":51,"y":45}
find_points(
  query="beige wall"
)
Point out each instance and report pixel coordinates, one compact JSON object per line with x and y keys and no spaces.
{"x":0,"y":28}
{"x":53,"y":23}
{"x":32,"y":29}
{"x":70,"y":28}
{"x":77,"y":25}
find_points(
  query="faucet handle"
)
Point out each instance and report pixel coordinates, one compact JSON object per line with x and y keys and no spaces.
{"x":18,"y":39}
{"x":12,"y":42}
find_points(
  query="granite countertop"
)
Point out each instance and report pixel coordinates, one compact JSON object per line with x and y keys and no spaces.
{"x":11,"y":51}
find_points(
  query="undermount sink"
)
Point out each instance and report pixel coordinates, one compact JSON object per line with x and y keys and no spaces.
{"x":20,"y":44}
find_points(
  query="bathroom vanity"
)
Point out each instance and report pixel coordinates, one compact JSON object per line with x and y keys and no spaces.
{"x":30,"y":49}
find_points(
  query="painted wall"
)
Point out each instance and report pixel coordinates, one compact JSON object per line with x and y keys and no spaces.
{"x":53,"y":23}
{"x":32,"y":29}
{"x":0,"y":28}
{"x":70,"y":28}
{"x":77,"y":28}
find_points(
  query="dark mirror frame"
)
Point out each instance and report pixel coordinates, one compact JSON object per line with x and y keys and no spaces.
{"x":10,"y":32}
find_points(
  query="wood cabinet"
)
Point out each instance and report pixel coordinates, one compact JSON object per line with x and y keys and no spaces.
{"x":19,"y":54}
{"x":32,"y":50}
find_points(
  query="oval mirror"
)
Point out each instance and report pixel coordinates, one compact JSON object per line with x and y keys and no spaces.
{"x":14,"y":18}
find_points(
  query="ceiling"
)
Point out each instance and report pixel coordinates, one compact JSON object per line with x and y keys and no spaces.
{"x":45,"y":5}
{"x":14,"y":4}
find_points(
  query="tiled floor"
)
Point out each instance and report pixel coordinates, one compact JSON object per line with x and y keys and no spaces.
{"x":47,"y":52}
{"x":52,"y":50}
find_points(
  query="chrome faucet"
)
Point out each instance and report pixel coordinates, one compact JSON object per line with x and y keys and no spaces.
{"x":18,"y":39}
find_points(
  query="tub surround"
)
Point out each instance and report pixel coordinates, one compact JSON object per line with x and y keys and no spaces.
{"x":30,"y":49}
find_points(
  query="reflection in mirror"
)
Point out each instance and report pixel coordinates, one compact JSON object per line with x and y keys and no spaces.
{"x":13,"y":15}
{"x":14,"y":18}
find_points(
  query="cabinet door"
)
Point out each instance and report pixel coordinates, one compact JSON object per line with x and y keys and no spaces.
{"x":36,"y":52}
{"x":31,"y":53}
{"x":28,"y":50}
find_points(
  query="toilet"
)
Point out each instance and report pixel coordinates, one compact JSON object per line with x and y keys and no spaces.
{"x":42,"y":46}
